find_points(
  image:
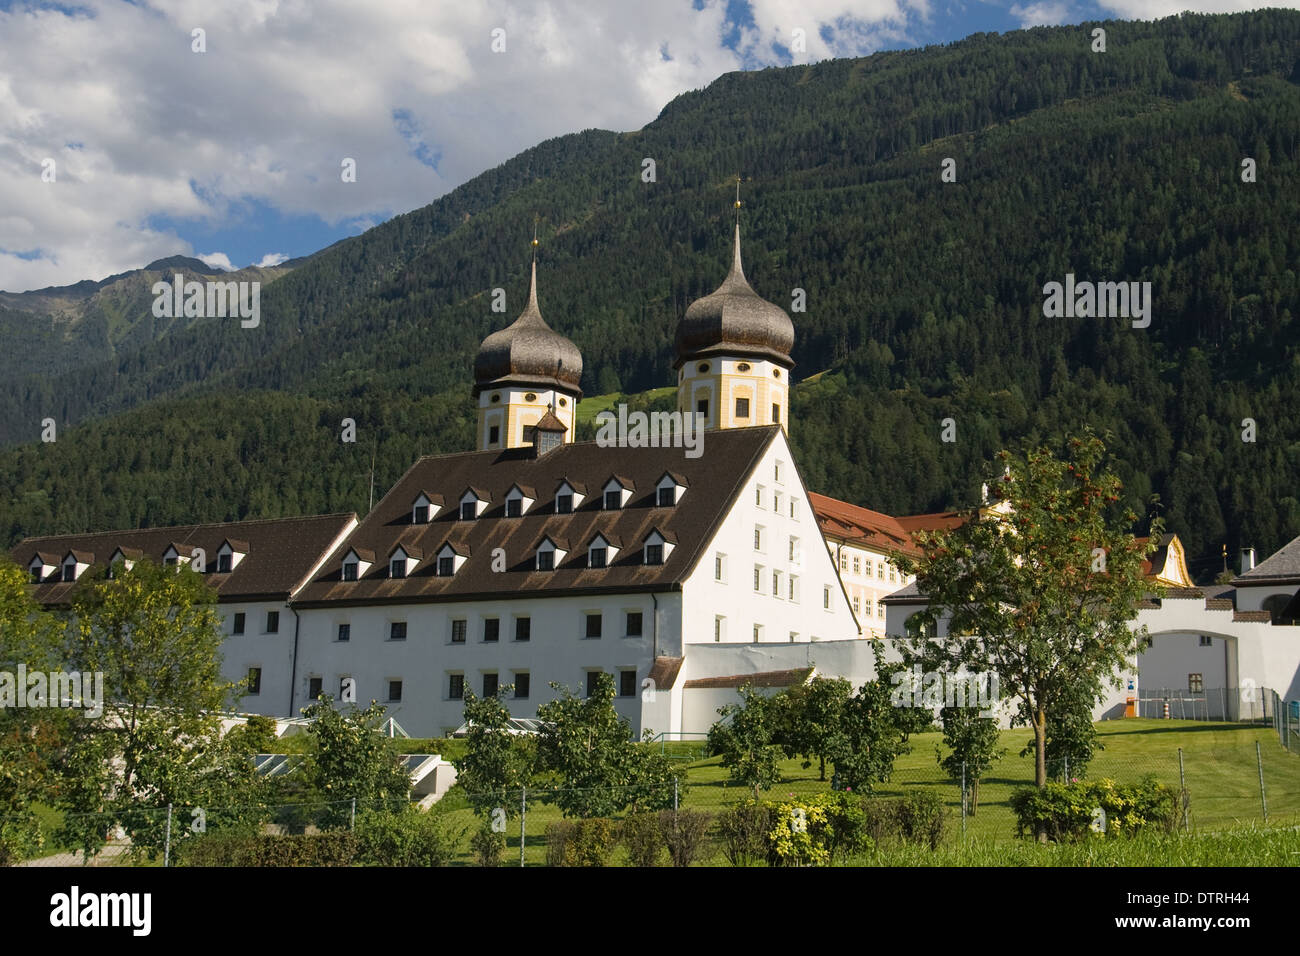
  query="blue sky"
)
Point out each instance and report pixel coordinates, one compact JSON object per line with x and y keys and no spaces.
{"x":133,"y":131}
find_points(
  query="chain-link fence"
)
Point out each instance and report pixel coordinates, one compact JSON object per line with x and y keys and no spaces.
{"x":1286,"y":721}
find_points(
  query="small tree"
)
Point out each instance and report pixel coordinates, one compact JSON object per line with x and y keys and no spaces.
{"x":810,"y":716}
{"x":1044,"y":593}
{"x":973,"y":747}
{"x":1071,"y":736}
{"x":352,"y":759}
{"x":744,"y":738}
{"x":496,"y":761}
{"x":868,"y":741}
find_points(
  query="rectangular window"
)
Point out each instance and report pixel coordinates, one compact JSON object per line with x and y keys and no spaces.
{"x":545,"y":560}
{"x":758,"y":537}
{"x":521,"y":685}
{"x":742,"y":408}
{"x":826,"y":598}
{"x":394,"y":691}
{"x":776,"y":502}
{"x":758,"y":577}
{"x":523,"y":629}
{"x":397,"y":631}
{"x":468,"y":510}
{"x":627,"y":683}
{"x":857,"y":565}
{"x":868,"y":607}
{"x":398,"y":568}
{"x":1195,"y":684}
{"x":596,"y":557}
{"x":794,"y":587}
{"x":613,"y":500}
{"x":758,"y":496}
{"x":563,"y":504}
{"x":223,"y":563}
{"x":633,"y":623}
{"x":458,"y":628}
{"x":255,"y":680}
{"x":880,"y":609}
{"x":844,"y":561}
{"x":758,"y":633}
{"x":238,"y":626}
{"x":794,"y":511}
{"x":880,"y":570}
{"x":345,"y":632}
{"x":717,"y":628}
{"x":776,"y":414}
{"x":868,"y":567}
{"x":494,"y":434}
{"x":857,"y":604}
{"x":456,"y":686}
{"x":794,"y":636}
{"x":421,"y":514}
{"x":794,"y":549}
{"x":776,"y":584}
{"x":1206,"y":640}
{"x":272,"y":622}
{"x":592,"y":678}
{"x":654,"y":554}
{"x":718,"y":567}
{"x":171,"y":562}
{"x":446,"y":566}
{"x":776,"y":470}
{"x":314,"y":688}
{"x":489,"y":685}
{"x":891,"y":572}
{"x":667,"y":496}
{"x":350,"y":571}
{"x":702,"y":406}
{"x":491,"y":629}
{"x":514,"y":507}
{"x":594,"y":622}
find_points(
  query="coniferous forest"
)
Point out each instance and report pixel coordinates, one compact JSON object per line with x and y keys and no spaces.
{"x":924,"y":297}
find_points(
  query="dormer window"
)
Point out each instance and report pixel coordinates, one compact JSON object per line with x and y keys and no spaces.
{"x":223,"y":564}
{"x":69,"y":570}
{"x":658,"y":546}
{"x":123,"y":557}
{"x":230,"y":554}
{"x":402,"y":562}
{"x":41,"y":566}
{"x":176,"y":555}
{"x":668,"y":490}
{"x":601,"y":552}
{"x":356,"y":563}
{"x":450,"y":559}
{"x":472,"y":503}
{"x":518,"y":500}
{"x":617,"y":491}
{"x":549,"y":555}
{"x":567,"y":498}
{"x":425,"y":508}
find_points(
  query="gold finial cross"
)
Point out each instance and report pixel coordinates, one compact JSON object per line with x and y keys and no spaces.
{"x":737,"y":190}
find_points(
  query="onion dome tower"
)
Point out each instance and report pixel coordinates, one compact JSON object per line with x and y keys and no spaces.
{"x":732,"y":353}
{"x":521,"y":373}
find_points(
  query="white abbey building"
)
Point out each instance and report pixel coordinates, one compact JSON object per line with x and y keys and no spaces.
{"x":536,"y":559}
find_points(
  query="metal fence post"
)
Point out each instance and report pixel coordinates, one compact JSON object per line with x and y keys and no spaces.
{"x":1182,"y":787}
{"x":963,"y":800}
{"x":674,"y":794}
{"x":1263,"y":798}
{"x":167,"y":840}
{"x":523,"y":820}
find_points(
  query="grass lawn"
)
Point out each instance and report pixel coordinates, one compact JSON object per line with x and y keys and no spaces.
{"x":1221,"y":774}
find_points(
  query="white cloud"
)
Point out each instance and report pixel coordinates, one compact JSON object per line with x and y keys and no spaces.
{"x":1155,"y":9}
{"x":144,"y":131}
{"x":218,"y":260}
{"x":1047,"y":13}
{"x":271,"y":259}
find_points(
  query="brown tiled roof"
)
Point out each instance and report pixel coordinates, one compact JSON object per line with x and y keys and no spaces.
{"x":1218,"y":604}
{"x":789,"y":678}
{"x":1172,"y":592}
{"x":716,"y":478}
{"x":665,"y":670}
{"x":237,"y":544}
{"x":935,"y":521}
{"x":281,"y":552}
{"x":1263,"y":616}
{"x":85,"y":557}
{"x":851,"y":523}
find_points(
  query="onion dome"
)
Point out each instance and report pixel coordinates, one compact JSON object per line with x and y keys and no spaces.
{"x":734,"y":320}
{"x":528,"y":352}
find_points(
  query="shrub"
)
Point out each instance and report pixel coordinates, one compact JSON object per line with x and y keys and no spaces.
{"x":587,"y":842}
{"x":488,"y":845}
{"x":642,"y":839}
{"x":742,"y":829}
{"x":406,"y":837}
{"x":846,"y":824}
{"x":338,"y":848}
{"x":684,"y":832}
{"x":1066,"y":811}
{"x":918,"y":817}
{"x":797,"y":837}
